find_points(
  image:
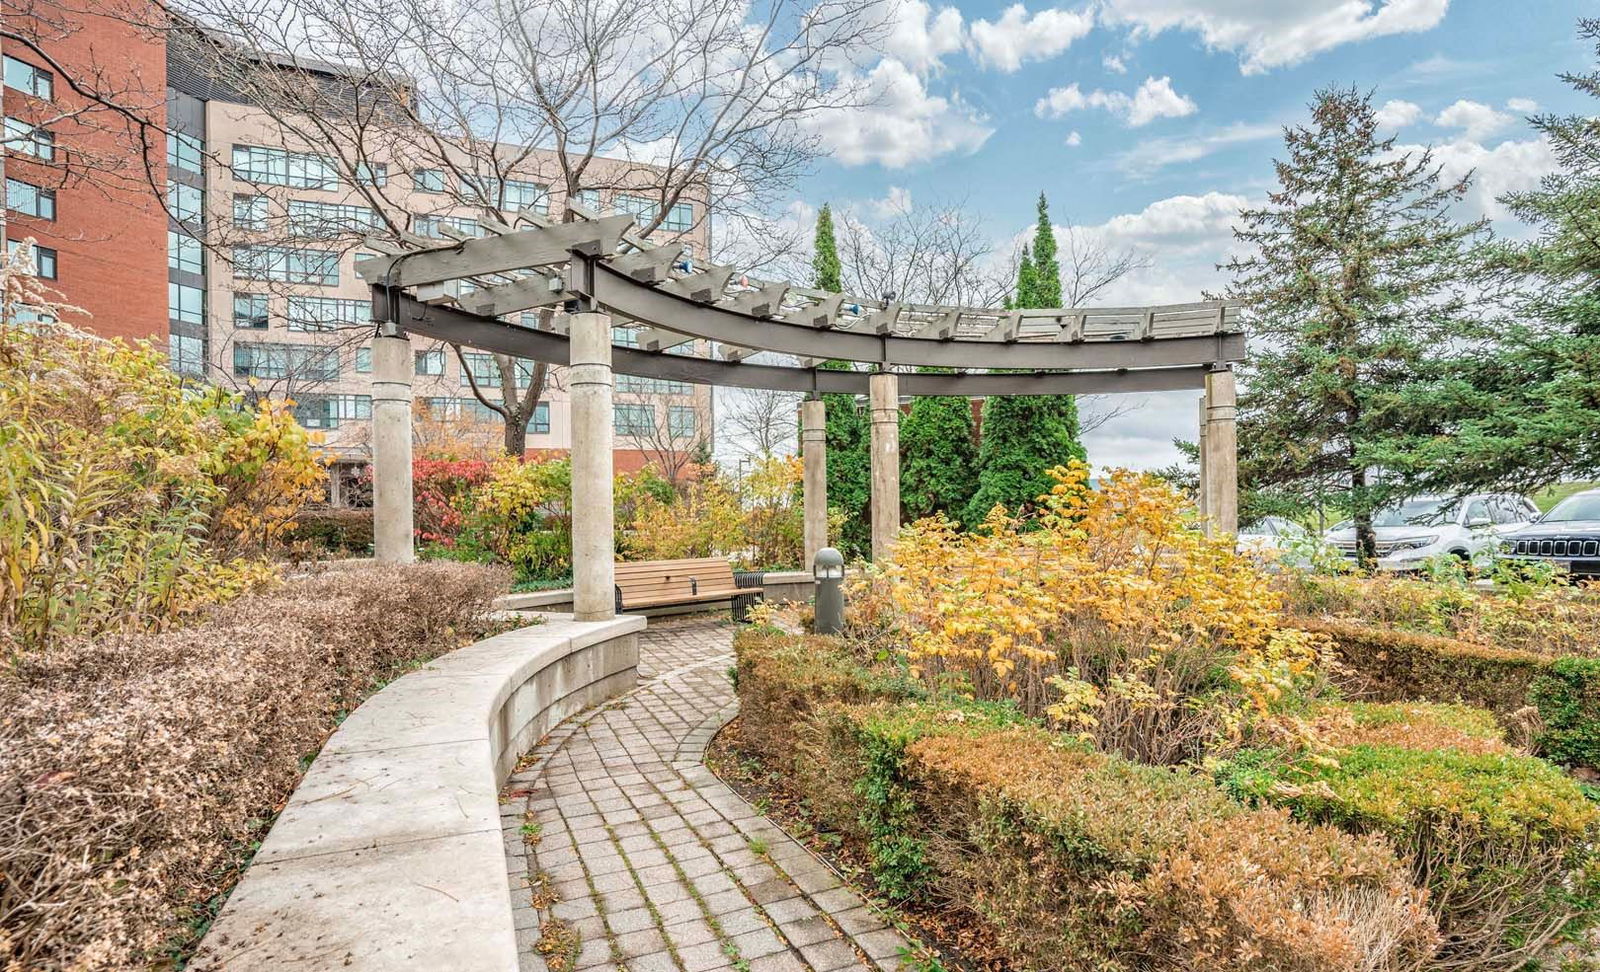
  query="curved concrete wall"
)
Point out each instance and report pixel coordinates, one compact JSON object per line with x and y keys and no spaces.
{"x":390,"y":855}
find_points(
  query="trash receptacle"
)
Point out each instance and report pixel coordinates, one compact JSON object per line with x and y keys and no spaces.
{"x":741,"y":604}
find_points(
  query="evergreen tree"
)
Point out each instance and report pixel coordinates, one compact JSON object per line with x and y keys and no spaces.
{"x":1527,"y":412}
{"x":938,"y":457}
{"x":1023,"y":435}
{"x":1355,"y":296}
{"x":848,"y":434}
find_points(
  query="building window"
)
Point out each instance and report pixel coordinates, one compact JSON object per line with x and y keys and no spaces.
{"x":41,"y":260}
{"x":520,"y":195}
{"x":589,"y":199}
{"x":184,"y":252}
{"x":372,"y":174}
{"x":364,"y":361}
{"x":184,"y":152}
{"x":24,"y":77}
{"x":433,"y":226}
{"x":539,"y":424}
{"x":626,"y":337}
{"x":279,"y":167}
{"x":641,"y":208}
{"x":287,"y":264}
{"x":303,"y":361}
{"x":680,"y":218}
{"x":186,"y":354}
{"x":430,"y":362}
{"x":428,"y":180}
{"x":184,"y":201}
{"x":634,"y":419}
{"x":186,"y":304}
{"x":651,"y":386}
{"x":327,"y":313}
{"x":29,"y":199}
{"x":328,"y":411}
{"x":250,"y":311}
{"x":682,"y":421}
{"x":250,"y":212}
{"x":487,"y":372}
{"x":320,"y":220}
{"x":30,"y":139}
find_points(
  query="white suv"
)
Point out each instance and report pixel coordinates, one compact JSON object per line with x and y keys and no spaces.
{"x":1420,"y":529}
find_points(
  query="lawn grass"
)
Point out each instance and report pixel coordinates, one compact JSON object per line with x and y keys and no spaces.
{"x":1551,"y":495}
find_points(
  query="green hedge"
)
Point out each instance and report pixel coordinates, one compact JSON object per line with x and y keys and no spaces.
{"x":1070,"y":857}
{"x":1394,"y":665}
{"x":1503,"y":843}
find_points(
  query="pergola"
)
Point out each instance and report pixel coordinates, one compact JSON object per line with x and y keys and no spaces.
{"x":601,"y":273}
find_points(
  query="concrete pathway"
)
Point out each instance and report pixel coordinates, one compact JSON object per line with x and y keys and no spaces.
{"x":644,"y":861}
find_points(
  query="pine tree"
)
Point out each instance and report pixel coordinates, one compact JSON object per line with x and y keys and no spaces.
{"x":1023,"y":435}
{"x":1527,"y":412}
{"x":1354,"y":296}
{"x":848,"y":430}
{"x":938,"y":457}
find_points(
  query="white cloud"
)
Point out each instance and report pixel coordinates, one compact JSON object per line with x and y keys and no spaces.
{"x":1274,"y":33}
{"x":1157,"y":153}
{"x":1475,"y":119}
{"x":1074,"y":139}
{"x":1508,"y":167}
{"x":1154,"y":99}
{"x":902,"y":123}
{"x":897,"y":200}
{"x":1398,"y":114}
{"x":1016,"y":38}
{"x":1525,"y":106}
{"x":1114,"y":64}
{"x":919,"y":37}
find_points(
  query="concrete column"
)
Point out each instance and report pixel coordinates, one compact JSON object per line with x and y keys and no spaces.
{"x":814,"y":490}
{"x":884,"y":398}
{"x":392,"y":531}
{"x":589,"y":384}
{"x":1222,"y":451}
{"x":1200,"y":483}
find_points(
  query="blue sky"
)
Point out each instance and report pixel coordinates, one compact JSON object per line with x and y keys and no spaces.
{"x":1149,"y":122}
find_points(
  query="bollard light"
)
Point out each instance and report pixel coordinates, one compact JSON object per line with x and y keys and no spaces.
{"x":828,"y":571}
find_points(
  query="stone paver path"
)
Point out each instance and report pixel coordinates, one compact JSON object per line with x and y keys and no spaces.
{"x":654,"y":864}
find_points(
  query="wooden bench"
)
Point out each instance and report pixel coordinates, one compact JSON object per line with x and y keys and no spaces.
{"x":674,"y":583}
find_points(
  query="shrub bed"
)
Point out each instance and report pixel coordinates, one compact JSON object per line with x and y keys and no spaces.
{"x":1503,"y":843}
{"x":136,"y":770}
{"x":1071,"y":856}
{"x":333,"y":531}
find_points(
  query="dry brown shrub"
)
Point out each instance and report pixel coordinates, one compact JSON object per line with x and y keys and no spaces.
{"x":135,"y":771}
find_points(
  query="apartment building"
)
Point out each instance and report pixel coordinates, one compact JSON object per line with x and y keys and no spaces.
{"x":274,"y":303}
{"x":79,"y":176}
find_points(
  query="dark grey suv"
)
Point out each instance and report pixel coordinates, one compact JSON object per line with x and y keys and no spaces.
{"x":1567,"y":536}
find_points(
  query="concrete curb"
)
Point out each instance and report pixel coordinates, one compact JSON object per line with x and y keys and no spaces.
{"x":389,"y":855}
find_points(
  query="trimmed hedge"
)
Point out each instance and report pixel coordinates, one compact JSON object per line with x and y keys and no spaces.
{"x":1409,"y":725}
{"x":1393,"y":666}
{"x":1075,"y":859}
{"x":1503,"y":843}
{"x":327,"y":530}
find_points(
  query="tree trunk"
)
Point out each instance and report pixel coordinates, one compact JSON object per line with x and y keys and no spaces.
{"x":1366,"y":537}
{"x":516,"y":436}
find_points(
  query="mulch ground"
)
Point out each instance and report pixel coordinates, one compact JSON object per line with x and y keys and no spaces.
{"x":953,"y":941}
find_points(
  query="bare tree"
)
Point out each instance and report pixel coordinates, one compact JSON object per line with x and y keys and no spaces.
{"x":682,"y":113}
{"x":761,"y":421}
{"x":1089,"y":267}
{"x":672,"y":448}
{"x":935,"y":254}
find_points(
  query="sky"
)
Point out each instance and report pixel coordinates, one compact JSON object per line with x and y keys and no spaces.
{"x":1150,"y":123}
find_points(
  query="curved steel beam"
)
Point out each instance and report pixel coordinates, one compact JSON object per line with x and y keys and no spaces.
{"x":625,"y":297}
{"x":488,"y":334}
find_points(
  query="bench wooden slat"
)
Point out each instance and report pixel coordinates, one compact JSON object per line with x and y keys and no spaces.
{"x":693,"y":580}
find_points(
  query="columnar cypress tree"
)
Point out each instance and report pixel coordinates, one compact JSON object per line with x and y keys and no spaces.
{"x":938,"y":457}
{"x":1357,"y":294}
{"x":1023,"y":435}
{"x":848,"y":427}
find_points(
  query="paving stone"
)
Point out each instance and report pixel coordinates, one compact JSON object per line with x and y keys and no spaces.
{"x":623,"y":799}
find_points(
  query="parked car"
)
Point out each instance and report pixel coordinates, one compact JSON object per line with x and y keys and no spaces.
{"x":1271,"y":536}
{"x":1567,"y":536}
{"x":1413,"y":532}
